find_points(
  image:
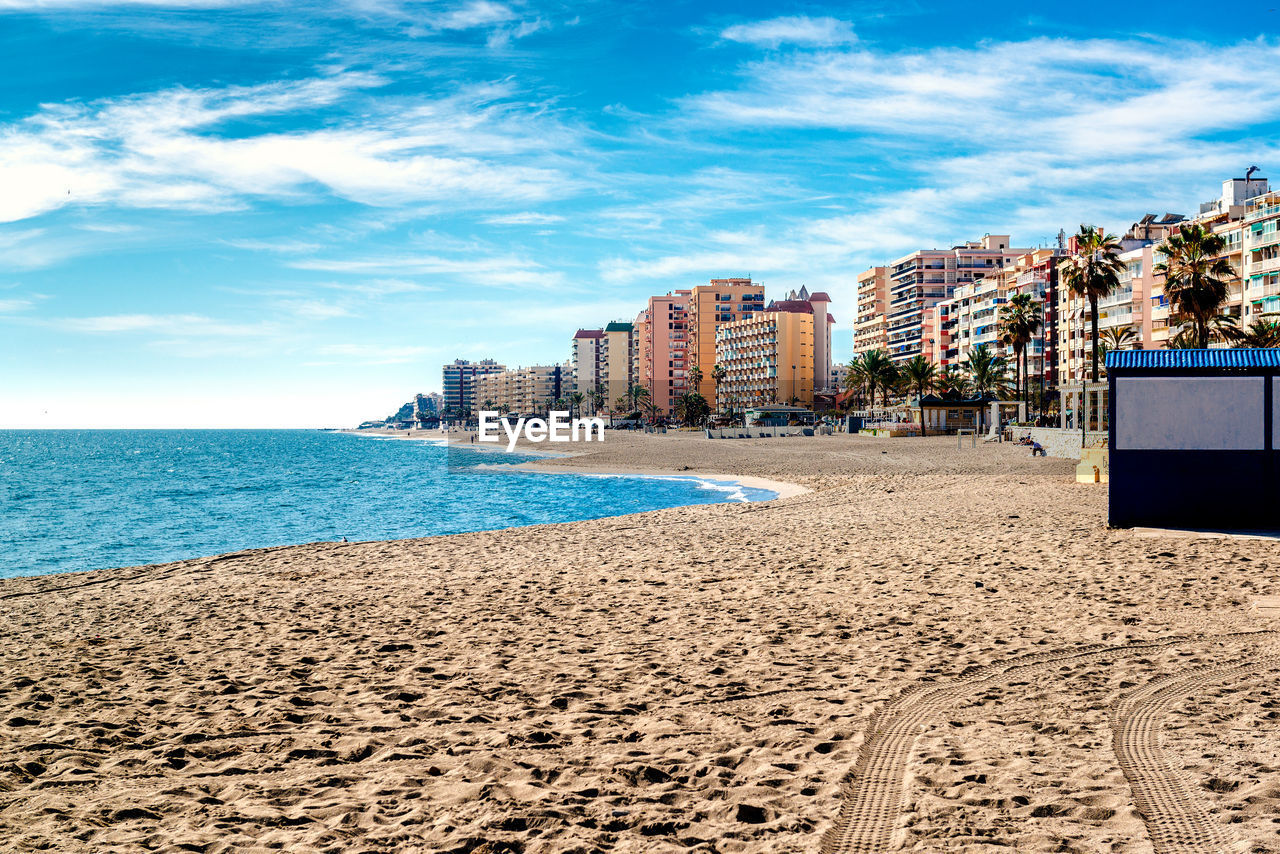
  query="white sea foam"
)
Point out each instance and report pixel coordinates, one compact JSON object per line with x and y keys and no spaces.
{"x":733,"y":490}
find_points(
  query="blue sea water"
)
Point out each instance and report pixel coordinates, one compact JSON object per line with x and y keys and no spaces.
{"x":74,"y":500}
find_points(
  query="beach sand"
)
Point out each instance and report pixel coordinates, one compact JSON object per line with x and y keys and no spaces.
{"x":930,"y":650}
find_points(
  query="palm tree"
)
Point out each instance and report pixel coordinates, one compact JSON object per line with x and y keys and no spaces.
{"x":953,"y":379}
{"x":597,"y":398}
{"x":879,"y":371}
{"x":638,"y":395}
{"x":1092,"y":273}
{"x":921,"y":374}
{"x":488,"y":404}
{"x":1195,"y":276}
{"x":1261,"y":333}
{"x":575,"y":402}
{"x":692,"y":408}
{"x":890,"y":379}
{"x":1118,"y":337}
{"x":857,"y":375}
{"x":695,"y":378}
{"x":1020,"y":320}
{"x":987,"y":371}
{"x":718,"y":373}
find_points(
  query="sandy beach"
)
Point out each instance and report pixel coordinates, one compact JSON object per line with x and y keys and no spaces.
{"x":925,"y":649}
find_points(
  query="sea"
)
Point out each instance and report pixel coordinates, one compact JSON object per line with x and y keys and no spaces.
{"x":74,"y":500}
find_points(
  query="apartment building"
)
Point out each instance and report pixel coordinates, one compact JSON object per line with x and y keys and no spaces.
{"x":817,"y":305}
{"x":663,"y":348}
{"x":926,"y":277}
{"x":937,"y":326}
{"x":585,"y":357}
{"x":459,"y":381}
{"x":872,"y":302}
{"x":1231,"y":216}
{"x":971,"y":318}
{"x":619,"y":359}
{"x":1137,"y":303}
{"x":428,"y":404}
{"x":721,"y":301}
{"x":1260,"y":228}
{"x":768,"y":356}
{"x":525,"y":391}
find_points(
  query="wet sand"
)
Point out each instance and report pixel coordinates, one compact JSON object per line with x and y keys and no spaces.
{"x":930,"y":650}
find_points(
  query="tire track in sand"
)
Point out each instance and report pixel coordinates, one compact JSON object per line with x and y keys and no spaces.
{"x":873,"y":791}
{"x":1177,"y":818}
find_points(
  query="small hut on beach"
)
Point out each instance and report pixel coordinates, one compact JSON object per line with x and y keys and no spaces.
{"x":1194,"y":438}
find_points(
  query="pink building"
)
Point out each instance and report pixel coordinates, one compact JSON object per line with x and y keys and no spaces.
{"x":664,"y":345}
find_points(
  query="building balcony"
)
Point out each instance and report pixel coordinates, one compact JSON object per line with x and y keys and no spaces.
{"x":1265,"y":265}
{"x":1262,"y":213}
{"x":1260,"y":240}
{"x":1264,"y":291}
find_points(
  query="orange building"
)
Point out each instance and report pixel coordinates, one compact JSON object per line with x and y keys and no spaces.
{"x":710,"y":306}
{"x":768,"y":357}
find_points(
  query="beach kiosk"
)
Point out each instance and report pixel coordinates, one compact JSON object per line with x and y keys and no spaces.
{"x":1194,"y":438}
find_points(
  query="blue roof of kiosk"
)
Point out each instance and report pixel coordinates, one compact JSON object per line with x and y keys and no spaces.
{"x":1182,"y":359}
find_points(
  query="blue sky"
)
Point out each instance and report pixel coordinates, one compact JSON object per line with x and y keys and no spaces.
{"x":239,"y":213}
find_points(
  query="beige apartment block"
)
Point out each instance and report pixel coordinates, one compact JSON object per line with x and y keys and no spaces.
{"x":525,"y":391}
{"x":921,"y":280}
{"x":768,"y":358}
{"x":869,"y":329}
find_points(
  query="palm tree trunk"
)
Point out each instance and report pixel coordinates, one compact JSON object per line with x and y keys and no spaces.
{"x":1017,"y":372}
{"x":920,"y":400}
{"x":1026,"y":380}
{"x":1093,"y":325}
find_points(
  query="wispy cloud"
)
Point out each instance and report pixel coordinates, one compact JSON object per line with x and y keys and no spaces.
{"x":314,"y":309}
{"x":499,"y":271}
{"x":478,"y":13}
{"x":166,"y":150}
{"x":797,"y":30}
{"x":1022,"y":137}
{"x":525,"y":218}
{"x":13,"y":306}
{"x":192,"y":325}
{"x":375,"y":288}
{"x":281,"y":246}
{"x":53,"y":5}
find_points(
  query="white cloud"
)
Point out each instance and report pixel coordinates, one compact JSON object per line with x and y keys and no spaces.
{"x":163,"y":150}
{"x":479,"y":13}
{"x":34,"y":248}
{"x":379,"y":287}
{"x":1020,"y":138}
{"x":282,"y":246}
{"x":526,"y":218}
{"x":13,"y":306}
{"x":193,"y":325}
{"x":479,"y":268}
{"x":800,"y":30}
{"x":314,"y":309}
{"x":53,"y":5}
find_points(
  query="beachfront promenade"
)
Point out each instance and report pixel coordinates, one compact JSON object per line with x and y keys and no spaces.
{"x":941,"y":649}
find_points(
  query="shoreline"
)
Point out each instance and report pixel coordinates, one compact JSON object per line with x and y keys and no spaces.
{"x":780,"y":488}
{"x":538,"y":463}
